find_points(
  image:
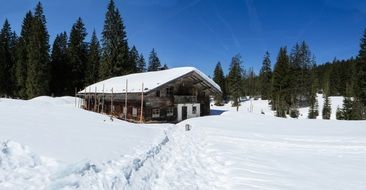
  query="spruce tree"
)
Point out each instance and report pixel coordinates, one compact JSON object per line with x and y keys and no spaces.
{"x":141,"y":64}
{"x":7,"y":60}
{"x":22,"y":56}
{"x":38,"y":56}
{"x":219,"y":78}
{"x":115,"y":49}
{"x":235,"y":79}
{"x":77,"y":57}
{"x":134,"y":59}
{"x":59,"y":65}
{"x":326,"y":108}
{"x":92,"y":66}
{"x":265,"y":76}
{"x":154,"y":62}
{"x":281,"y":96}
{"x":360,"y":83}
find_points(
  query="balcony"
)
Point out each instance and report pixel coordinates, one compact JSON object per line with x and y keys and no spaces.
{"x":185,"y":99}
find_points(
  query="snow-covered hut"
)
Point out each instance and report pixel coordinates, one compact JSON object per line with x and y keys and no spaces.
{"x":170,"y":95}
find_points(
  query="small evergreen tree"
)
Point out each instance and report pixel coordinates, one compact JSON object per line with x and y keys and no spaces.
{"x":77,"y":57}
{"x":92,"y":67}
{"x":219,"y":78}
{"x":141,"y":64}
{"x":59,"y":65}
{"x":235,"y":79}
{"x":281,"y":97}
{"x":265,"y":77}
{"x":313,"y":110}
{"x":154,"y":62}
{"x":326,"y":108}
{"x":134,"y":59}
{"x":339,"y":114}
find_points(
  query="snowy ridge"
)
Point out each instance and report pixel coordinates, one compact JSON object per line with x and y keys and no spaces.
{"x":151,"y":80}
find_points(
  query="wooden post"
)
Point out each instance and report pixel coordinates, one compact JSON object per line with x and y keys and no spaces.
{"x":103,"y":100}
{"x":85,"y":97}
{"x":126,"y":99}
{"x":89,"y":101}
{"x":95,"y":99}
{"x":112,"y":102}
{"x":142,"y":102}
{"x":75,"y":97}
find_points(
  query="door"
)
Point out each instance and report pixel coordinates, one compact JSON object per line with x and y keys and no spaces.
{"x":184,"y":112}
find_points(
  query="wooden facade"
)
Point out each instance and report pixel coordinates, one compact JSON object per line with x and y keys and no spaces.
{"x":179,"y":99}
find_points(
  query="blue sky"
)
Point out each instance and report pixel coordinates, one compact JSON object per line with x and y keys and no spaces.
{"x":202,"y":32}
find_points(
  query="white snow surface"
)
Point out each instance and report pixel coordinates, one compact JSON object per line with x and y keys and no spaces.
{"x":262,"y":106}
{"x":150,"y":80}
{"x":47,"y":143}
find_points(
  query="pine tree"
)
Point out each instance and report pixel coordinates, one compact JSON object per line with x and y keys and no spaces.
{"x":154,"y":62}
{"x":281,"y":83}
{"x":115,"y":49}
{"x":219,"y":78}
{"x":326,"y":108}
{"x":77,"y":57}
{"x":22,"y":56}
{"x":235,"y":79}
{"x":92,"y":67}
{"x":38,"y":56}
{"x":8,"y":41}
{"x":59,"y":65}
{"x":339,"y":114}
{"x":141,"y":65}
{"x":134,"y":59}
{"x":265,"y":77}
{"x":313,"y":110}
{"x":360,"y":83}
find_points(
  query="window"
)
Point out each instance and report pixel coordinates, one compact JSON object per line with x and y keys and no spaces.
{"x":134,"y":112}
{"x":155,"y":113}
{"x":170,"y":91}
{"x":170,"y":112}
{"x":158,"y":93}
{"x":194,"y":110}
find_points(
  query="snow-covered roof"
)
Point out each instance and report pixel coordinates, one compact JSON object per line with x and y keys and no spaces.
{"x":151,"y":80}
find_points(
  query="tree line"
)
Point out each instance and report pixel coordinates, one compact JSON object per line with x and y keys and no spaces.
{"x":29,"y":67}
{"x":295,"y":80}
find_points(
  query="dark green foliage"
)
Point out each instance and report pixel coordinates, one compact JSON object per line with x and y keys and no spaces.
{"x":8,"y":41}
{"x":22,"y":56}
{"x":326,"y":108}
{"x":92,"y":66}
{"x":38,"y":75}
{"x":115,"y":49}
{"x":300,"y":75}
{"x":141,"y":64}
{"x":339,"y":114}
{"x":154,"y":62}
{"x":352,"y":110}
{"x":338,"y":73}
{"x":219,"y":78}
{"x":313,"y":110}
{"x":294,"y":112}
{"x":235,"y":79}
{"x":265,"y":76}
{"x":59,"y":65}
{"x":360,"y":84}
{"x":281,"y":96}
{"x":77,"y":54}
{"x":134,"y":59}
